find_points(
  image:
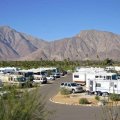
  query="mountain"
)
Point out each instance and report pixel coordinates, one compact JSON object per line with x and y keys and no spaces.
{"x":88,"y":44}
{"x":14,"y":45}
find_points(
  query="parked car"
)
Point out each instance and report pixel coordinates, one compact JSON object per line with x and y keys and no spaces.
{"x":63,"y":73}
{"x":51,"y":77}
{"x":72,"y":87}
{"x":38,"y":79}
{"x":56,"y":75}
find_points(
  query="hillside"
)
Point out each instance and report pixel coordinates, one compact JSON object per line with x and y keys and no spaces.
{"x":88,"y":44}
{"x":14,"y":45}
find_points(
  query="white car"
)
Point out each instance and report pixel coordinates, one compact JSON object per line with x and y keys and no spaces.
{"x":38,"y":79}
{"x":50,"y":77}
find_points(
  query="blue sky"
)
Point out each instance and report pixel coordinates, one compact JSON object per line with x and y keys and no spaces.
{"x":56,"y":19}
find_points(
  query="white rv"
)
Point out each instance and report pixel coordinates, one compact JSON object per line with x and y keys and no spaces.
{"x":8,"y":69}
{"x":17,"y":80}
{"x":83,"y":74}
{"x":79,"y":77}
{"x":104,"y":83}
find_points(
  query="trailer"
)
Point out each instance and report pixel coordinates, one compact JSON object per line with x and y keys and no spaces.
{"x":82,"y":76}
{"x":13,"y":80}
{"x":8,"y":69}
{"x":79,"y":77}
{"x":104,"y":84}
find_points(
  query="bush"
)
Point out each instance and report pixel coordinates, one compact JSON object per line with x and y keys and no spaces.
{"x":83,"y":101}
{"x":22,"y":106}
{"x":114,"y":97}
{"x":64,"y":91}
{"x":97,"y":98}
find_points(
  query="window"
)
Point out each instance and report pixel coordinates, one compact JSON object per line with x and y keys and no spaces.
{"x":37,"y":73}
{"x":76,"y":76}
{"x":118,"y":76}
{"x":73,"y":84}
{"x":14,"y":79}
{"x":115,"y":86}
{"x":100,"y":76}
{"x":65,"y":84}
{"x":98,"y":85}
{"x":62,"y":83}
{"x":69,"y":85}
{"x":9,"y":79}
{"x":114,"y":77}
{"x":108,"y":77}
{"x":96,"y":76}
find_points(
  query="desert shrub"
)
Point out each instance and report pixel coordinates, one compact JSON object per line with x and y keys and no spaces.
{"x":22,"y":106}
{"x":110,"y":112}
{"x":64,"y":91}
{"x":114,"y":97}
{"x":83,"y":101}
{"x":97,"y":98}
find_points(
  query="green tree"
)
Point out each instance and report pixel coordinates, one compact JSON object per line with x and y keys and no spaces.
{"x":108,"y":61}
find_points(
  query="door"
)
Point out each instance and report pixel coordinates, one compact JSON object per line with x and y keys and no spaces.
{"x":111,"y":90}
{"x":91,"y":86}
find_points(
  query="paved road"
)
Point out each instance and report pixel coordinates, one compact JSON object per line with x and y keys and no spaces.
{"x":68,"y":112}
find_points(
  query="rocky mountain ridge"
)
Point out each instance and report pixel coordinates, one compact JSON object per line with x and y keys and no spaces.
{"x":88,"y":44}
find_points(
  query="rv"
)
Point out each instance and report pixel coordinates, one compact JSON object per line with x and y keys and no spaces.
{"x":15,"y":80}
{"x":83,"y":74}
{"x":26,"y":73}
{"x":104,"y":84}
{"x":39,"y":76}
{"x":79,"y":77}
{"x":8,"y":70}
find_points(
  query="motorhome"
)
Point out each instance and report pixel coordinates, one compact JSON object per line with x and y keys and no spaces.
{"x":46,"y":72}
{"x":8,"y":69}
{"x":83,"y":74}
{"x":113,"y":68}
{"x":15,"y":80}
{"x":87,"y":69}
{"x":104,"y":83}
{"x":39,"y":75}
{"x":117,"y":68}
{"x":26,"y":73}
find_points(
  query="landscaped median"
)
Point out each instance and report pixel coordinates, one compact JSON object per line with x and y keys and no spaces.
{"x":73,"y":99}
{"x":83,"y":99}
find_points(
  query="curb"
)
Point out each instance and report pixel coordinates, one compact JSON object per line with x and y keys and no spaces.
{"x":70,"y":104}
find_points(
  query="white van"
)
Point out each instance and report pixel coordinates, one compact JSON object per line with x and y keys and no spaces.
{"x":40,"y":79}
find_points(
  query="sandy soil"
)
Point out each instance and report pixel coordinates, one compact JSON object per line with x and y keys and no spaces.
{"x":73,"y":99}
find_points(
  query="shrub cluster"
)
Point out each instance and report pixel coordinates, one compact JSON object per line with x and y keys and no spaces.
{"x":97,"y":98}
{"x":16,"y":105}
{"x":114,"y":97}
{"x":64,"y":91}
{"x":83,"y":101}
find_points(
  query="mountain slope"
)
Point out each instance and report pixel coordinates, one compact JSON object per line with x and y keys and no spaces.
{"x":88,"y":44}
{"x":18,"y":44}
